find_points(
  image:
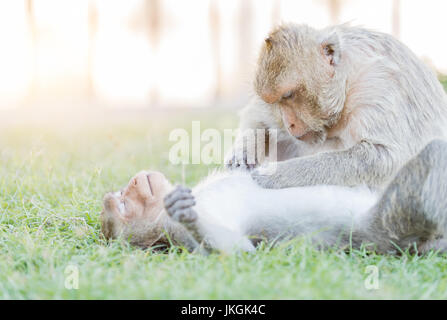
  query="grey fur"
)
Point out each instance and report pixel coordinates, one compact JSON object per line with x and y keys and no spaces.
{"x":413,"y":208}
{"x":392,"y":103}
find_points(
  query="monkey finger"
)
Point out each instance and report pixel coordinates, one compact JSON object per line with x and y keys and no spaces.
{"x":169,"y":203}
{"x":180,"y":189}
{"x":229,"y":162}
{"x":237,"y":162}
{"x":251,"y":166}
{"x":239,"y":165}
{"x":175,"y":196}
{"x":185,"y":215}
{"x":182,"y":204}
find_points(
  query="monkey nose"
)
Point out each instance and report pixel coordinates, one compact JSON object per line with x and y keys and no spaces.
{"x":308,"y":136}
{"x":300,"y":134}
{"x":295,"y":131}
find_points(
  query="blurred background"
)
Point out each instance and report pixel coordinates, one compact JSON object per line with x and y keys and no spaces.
{"x":152,"y":54}
{"x":91,"y":91}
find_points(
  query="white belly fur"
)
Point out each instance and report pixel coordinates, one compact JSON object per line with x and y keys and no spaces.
{"x":232,"y":200}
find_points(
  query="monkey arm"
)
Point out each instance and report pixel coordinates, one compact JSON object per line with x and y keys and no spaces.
{"x":179,"y":206}
{"x":181,"y":236}
{"x":364,"y":163}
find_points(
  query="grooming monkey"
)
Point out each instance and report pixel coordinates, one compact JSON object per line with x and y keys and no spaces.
{"x":350,"y":106}
{"x":229,"y":211}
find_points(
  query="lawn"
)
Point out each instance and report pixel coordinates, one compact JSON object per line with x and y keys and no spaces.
{"x":52,"y":180}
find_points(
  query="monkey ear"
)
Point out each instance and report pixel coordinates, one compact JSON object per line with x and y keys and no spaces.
{"x":268,"y":43}
{"x":330,"y":48}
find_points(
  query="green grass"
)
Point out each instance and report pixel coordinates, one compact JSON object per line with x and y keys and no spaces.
{"x":52,"y":179}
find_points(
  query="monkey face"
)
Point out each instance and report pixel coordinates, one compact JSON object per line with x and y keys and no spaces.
{"x":296,"y":68}
{"x":134,"y":211}
{"x":301,"y":117}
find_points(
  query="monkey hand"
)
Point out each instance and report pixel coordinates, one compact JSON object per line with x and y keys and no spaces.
{"x":179,"y":205}
{"x":239,"y":158}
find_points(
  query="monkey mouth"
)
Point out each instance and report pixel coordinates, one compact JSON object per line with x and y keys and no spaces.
{"x":307,"y":137}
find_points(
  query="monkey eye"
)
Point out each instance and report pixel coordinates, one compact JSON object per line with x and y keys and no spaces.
{"x":288,"y":95}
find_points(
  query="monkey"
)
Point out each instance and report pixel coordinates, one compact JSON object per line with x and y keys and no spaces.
{"x":348,"y":106}
{"x":229,"y":212}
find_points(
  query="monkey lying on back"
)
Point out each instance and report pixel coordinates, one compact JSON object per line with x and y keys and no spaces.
{"x":230,"y":211}
{"x":350,"y":106}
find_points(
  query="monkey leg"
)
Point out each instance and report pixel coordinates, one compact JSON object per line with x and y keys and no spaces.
{"x":436,"y":245}
{"x":412,"y":211}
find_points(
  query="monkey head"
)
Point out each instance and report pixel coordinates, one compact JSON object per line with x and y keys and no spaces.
{"x":136,"y":212}
{"x":297,"y":72}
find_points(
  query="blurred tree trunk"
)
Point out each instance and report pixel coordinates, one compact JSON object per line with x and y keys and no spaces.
{"x":31,"y":21}
{"x":245,"y":40}
{"x":215,"y":47}
{"x":334,"y":10}
{"x":396,"y":18}
{"x":153,"y":10}
{"x":92,"y":30}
